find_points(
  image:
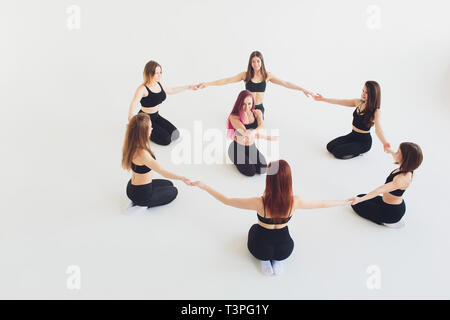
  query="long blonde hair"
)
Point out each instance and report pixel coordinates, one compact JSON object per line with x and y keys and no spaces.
{"x":136,"y":138}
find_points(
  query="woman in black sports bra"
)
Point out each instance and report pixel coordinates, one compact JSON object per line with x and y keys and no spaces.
{"x":366,"y":114}
{"x":151,"y":93}
{"x":269,"y":240}
{"x":255,"y":80}
{"x":390,"y":208}
{"x":245,"y":125}
{"x":142,"y":189}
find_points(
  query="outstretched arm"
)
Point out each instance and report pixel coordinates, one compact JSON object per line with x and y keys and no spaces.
{"x":399,"y":182}
{"x":342,"y":102}
{"x":301,"y":203}
{"x":288,"y":85}
{"x":221,"y":82}
{"x":178,"y":89}
{"x":241,"y":203}
{"x":380,"y":133}
{"x":154,"y":165}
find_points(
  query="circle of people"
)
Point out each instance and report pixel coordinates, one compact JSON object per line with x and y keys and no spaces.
{"x":268,"y":240}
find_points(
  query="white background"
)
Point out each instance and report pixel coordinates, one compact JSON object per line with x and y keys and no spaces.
{"x":64,"y":102}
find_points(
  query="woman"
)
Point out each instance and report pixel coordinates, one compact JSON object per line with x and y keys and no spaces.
{"x":390,"y":208}
{"x":151,"y":93}
{"x":366,"y":114}
{"x":269,"y":240}
{"x":255,"y":80}
{"x":245,"y":125}
{"x":142,"y":189}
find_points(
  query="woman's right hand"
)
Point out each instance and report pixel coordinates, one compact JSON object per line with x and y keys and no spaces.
{"x":199,"y":184}
{"x":201,"y":85}
{"x":187,"y":181}
{"x":272,"y":138}
{"x":318,"y":97}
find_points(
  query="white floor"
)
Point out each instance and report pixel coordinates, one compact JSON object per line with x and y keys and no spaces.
{"x":64,"y":105}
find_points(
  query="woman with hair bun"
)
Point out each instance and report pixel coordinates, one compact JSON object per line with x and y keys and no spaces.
{"x":389,"y":209}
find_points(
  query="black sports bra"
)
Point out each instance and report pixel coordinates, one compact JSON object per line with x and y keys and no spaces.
{"x":153,"y":99}
{"x":140,"y":169}
{"x":272,"y":220}
{"x":252,"y":125}
{"x":398,"y":192}
{"x":255,"y":86}
{"x":358,"y":120}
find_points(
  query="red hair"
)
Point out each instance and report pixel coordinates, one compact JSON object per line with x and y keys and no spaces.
{"x":238,"y":110}
{"x":278,"y":198}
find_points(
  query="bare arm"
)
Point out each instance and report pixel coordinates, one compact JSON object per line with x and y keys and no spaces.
{"x":221,"y":82}
{"x":399,"y":182}
{"x":379,"y":131}
{"x":154,"y":165}
{"x":287,"y":84}
{"x":134,"y":103}
{"x":176,"y":90}
{"x":302,"y":203}
{"x":241,"y":203}
{"x":342,"y":102}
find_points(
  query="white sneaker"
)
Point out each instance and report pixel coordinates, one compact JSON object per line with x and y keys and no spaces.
{"x":134,"y":209}
{"x":266,"y":267}
{"x":397,"y":225}
{"x":277,"y":267}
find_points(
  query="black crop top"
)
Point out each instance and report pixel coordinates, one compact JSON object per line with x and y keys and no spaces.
{"x":272,"y":220}
{"x":153,"y":99}
{"x":255,"y":86}
{"x":140,"y":169}
{"x":398,"y":192}
{"x":358,"y":120}
{"x":252,"y":125}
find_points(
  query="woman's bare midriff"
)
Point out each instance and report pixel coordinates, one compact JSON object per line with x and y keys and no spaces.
{"x":138,"y":179}
{"x":272,"y":226}
{"x":151,"y":109}
{"x":391,"y":199}
{"x":259,"y":97}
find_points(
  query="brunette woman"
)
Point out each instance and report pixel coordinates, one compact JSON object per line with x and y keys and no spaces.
{"x":142,"y":189}
{"x":366,"y":114}
{"x":389,"y":208}
{"x":255,"y":79}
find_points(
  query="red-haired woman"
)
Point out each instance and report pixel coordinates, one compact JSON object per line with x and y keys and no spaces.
{"x":366,"y":114}
{"x":255,"y":79}
{"x":142,"y":189}
{"x":389,"y":209}
{"x":151,"y":93}
{"x":245,"y":125}
{"x":269,"y":240}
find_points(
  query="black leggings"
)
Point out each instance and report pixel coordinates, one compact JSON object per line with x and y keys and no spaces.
{"x":163,"y":132}
{"x":247,"y":159}
{"x":269,"y":244}
{"x":378,"y":211}
{"x":350,"y":145}
{"x":156,"y":193}
{"x":260,"y":107}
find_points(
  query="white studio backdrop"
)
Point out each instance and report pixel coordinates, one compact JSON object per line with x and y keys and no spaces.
{"x":68,"y":73}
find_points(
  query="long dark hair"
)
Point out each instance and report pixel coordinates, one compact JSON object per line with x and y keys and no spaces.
{"x":250,"y":72}
{"x":412,"y":156}
{"x":372,"y":103}
{"x":238,"y":110}
{"x":136,"y":138}
{"x":278,"y":198}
